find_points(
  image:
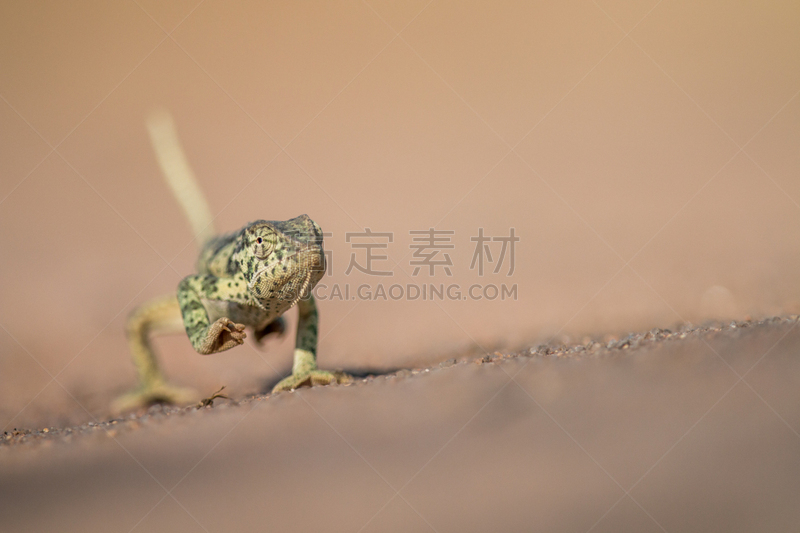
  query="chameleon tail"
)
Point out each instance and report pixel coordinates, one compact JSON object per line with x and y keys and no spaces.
{"x":179,"y":175}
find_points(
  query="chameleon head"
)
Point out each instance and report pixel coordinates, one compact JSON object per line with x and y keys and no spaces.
{"x":281,"y":261}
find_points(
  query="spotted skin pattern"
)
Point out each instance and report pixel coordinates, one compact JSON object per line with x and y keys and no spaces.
{"x":245,"y":279}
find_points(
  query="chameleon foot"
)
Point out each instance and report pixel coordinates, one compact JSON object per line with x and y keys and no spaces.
{"x":222,"y":335}
{"x":311,"y":378}
{"x":153,"y":394}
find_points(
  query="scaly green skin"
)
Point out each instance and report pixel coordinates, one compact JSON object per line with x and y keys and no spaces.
{"x":248,"y":278}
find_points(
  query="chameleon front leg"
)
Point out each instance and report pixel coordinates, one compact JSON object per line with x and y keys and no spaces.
{"x":158,"y":316}
{"x":304,"y":367}
{"x":171,"y":314}
{"x":208,"y":338}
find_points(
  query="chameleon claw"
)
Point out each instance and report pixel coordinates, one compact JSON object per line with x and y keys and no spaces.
{"x":223,"y":334}
{"x":310,"y":379}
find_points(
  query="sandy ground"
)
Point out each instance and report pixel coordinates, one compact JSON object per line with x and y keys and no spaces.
{"x":645,"y":153}
{"x":651,"y":178}
{"x":692,"y":430}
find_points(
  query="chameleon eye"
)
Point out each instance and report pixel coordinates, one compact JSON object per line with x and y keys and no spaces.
{"x":262,"y":248}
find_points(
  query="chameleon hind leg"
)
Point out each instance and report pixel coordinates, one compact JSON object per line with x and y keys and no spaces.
{"x":304,"y":367}
{"x":159,"y":316}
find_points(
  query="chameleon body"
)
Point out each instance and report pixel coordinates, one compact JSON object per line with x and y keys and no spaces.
{"x":245,"y":279}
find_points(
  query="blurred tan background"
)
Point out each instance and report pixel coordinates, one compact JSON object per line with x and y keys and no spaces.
{"x":646,"y":153}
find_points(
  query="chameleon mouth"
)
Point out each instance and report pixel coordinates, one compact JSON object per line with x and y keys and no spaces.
{"x":303,"y":289}
{"x":296,"y":296}
{"x":272,"y":266}
{"x":300,"y":293}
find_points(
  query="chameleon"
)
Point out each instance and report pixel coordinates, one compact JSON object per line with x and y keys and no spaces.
{"x":245,"y":279}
